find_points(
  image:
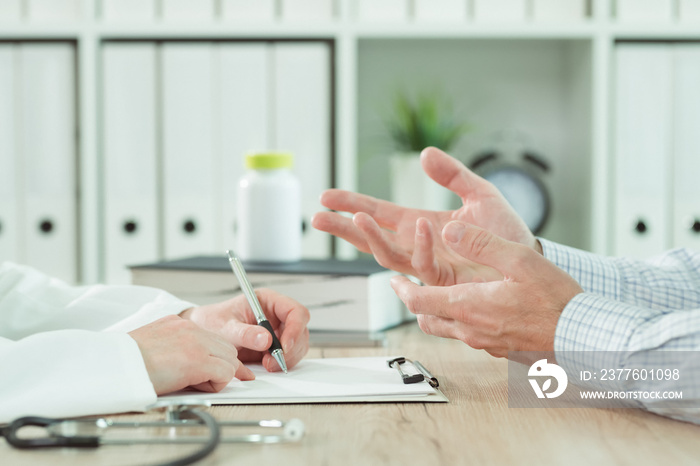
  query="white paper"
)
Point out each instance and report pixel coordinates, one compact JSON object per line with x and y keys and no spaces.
{"x":320,"y":380}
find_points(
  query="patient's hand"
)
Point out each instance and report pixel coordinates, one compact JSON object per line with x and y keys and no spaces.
{"x":408,"y":240}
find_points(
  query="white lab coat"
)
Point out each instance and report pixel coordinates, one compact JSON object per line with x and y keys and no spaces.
{"x":64,"y":350}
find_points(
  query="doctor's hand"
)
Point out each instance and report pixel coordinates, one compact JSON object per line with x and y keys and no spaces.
{"x":235,"y":321}
{"x":179,"y":354}
{"x":407,"y":240}
{"x":517,"y":313}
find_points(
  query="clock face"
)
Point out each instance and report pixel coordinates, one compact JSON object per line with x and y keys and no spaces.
{"x":524,"y":192}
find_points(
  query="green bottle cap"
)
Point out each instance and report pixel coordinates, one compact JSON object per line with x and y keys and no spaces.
{"x":269,"y":160}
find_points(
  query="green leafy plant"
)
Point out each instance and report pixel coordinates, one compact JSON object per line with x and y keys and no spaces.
{"x":426,"y":120}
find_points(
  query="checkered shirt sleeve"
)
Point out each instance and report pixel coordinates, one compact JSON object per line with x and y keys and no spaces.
{"x":629,"y":310}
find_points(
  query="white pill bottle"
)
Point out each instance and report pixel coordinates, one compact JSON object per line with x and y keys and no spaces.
{"x":268,"y":220}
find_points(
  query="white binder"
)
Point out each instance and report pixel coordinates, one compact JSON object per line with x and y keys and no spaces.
{"x":645,"y":11}
{"x":128,"y":10}
{"x":10,"y":10}
{"x":54,"y":10}
{"x":247,"y":10}
{"x":190,"y":191}
{"x":453,"y":11}
{"x":302,"y":126}
{"x":9,"y":157}
{"x":187,"y":10}
{"x":307,"y":10}
{"x":500,"y":11}
{"x":243,"y":120}
{"x":686,"y":186}
{"x":689,"y":11}
{"x":642,"y":148}
{"x":130,"y":147}
{"x":48,"y":149}
{"x":382,"y":10}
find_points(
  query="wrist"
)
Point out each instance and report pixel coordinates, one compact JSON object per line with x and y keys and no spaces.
{"x":538,"y":247}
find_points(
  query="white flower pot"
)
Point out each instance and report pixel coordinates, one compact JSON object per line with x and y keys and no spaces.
{"x":411,"y":187}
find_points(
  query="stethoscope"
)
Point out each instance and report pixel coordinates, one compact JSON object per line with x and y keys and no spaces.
{"x":90,"y":433}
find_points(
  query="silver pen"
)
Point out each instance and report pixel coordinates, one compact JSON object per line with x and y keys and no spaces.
{"x":276,"y":348}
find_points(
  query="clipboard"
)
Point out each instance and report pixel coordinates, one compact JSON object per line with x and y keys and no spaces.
{"x":329,"y":380}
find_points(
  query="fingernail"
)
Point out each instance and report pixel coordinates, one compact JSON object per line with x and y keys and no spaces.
{"x":454,"y":231}
{"x":261,"y":340}
{"x":420,"y":227}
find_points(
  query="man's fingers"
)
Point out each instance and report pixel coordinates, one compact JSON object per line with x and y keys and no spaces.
{"x":387,"y":214}
{"x":450,"y":328}
{"x":452,"y":174}
{"x":292,"y":354}
{"x":385,"y":252}
{"x":243,"y":373}
{"x":437,"y":326}
{"x":342,"y":227}
{"x":218,"y":346}
{"x":285,"y":313}
{"x":433,"y":300}
{"x":214,"y":374}
{"x":250,"y":336}
{"x":485,"y":248}
{"x":423,"y":260}
{"x":293,"y":318}
{"x":463,"y":302}
{"x":295,"y":353}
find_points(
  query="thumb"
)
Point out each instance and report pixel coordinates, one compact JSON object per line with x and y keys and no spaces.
{"x":483,"y":247}
{"x":242,"y":335}
{"x":451,"y":173}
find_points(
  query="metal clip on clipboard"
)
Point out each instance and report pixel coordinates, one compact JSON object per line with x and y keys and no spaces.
{"x":422,"y":375}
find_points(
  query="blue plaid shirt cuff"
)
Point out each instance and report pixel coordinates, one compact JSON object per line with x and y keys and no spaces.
{"x":596,"y":274}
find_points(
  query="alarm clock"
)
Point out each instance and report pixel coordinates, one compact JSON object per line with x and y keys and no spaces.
{"x":519,"y":179}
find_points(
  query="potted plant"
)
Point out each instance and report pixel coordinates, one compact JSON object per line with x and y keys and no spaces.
{"x":416,"y":123}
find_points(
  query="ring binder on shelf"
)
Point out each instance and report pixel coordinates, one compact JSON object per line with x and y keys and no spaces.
{"x":423,"y":374}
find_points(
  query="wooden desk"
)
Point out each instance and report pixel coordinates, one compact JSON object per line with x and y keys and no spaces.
{"x":476,"y":427}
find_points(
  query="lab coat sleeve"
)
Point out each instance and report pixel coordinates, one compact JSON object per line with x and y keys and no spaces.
{"x":31,"y":302}
{"x":65,"y":351}
{"x":70,"y":373}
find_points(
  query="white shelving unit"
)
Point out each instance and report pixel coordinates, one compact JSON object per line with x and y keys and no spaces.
{"x":563,"y":70}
